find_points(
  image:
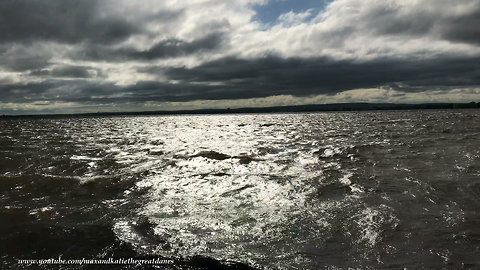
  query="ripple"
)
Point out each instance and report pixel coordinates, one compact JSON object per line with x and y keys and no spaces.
{"x":277,"y":191}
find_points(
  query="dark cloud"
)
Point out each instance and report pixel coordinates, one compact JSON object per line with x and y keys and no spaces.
{"x":65,"y":21}
{"x":464,"y":28}
{"x":457,"y":27}
{"x":67,"y":72}
{"x":274,"y":75}
{"x":22,"y":59}
{"x":175,"y":47}
{"x":73,"y":72}
{"x":390,"y":20}
{"x":164,"y":49}
{"x":22,"y":63}
{"x":24,"y":92}
{"x":232,"y":78}
{"x":95,"y":92}
{"x":40,"y":72}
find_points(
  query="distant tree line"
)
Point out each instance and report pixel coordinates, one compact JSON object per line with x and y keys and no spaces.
{"x":280,"y":109}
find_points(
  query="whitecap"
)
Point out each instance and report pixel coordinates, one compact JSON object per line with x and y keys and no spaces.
{"x":75,"y":157}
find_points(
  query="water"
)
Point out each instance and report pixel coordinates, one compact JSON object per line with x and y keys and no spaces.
{"x":276,"y":191}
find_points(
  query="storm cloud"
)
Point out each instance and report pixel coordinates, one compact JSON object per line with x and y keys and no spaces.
{"x":168,"y":48}
{"x":233,"y":78}
{"x":68,"y":21}
{"x":117,"y":52}
{"x":20,"y":58}
{"x":322,"y":75}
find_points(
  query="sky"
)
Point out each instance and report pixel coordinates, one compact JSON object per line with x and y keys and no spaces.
{"x":74,"y":56}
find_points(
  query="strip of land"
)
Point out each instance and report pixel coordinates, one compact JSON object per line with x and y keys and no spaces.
{"x":277,"y":109}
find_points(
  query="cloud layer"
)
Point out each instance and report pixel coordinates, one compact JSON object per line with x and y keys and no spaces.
{"x":71,"y":55}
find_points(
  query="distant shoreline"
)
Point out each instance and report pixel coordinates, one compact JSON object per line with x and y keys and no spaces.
{"x":336,"y":107}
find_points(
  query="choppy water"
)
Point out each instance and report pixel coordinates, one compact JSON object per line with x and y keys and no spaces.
{"x":277,"y":191}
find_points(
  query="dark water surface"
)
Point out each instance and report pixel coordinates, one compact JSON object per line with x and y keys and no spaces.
{"x":277,"y":191}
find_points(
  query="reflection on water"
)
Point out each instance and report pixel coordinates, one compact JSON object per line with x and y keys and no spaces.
{"x":279,"y":191}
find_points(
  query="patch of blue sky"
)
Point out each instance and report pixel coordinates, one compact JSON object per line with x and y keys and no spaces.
{"x":268,"y":14}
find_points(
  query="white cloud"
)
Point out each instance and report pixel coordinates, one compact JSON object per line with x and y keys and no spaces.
{"x":364,"y":29}
{"x":292,"y":18}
